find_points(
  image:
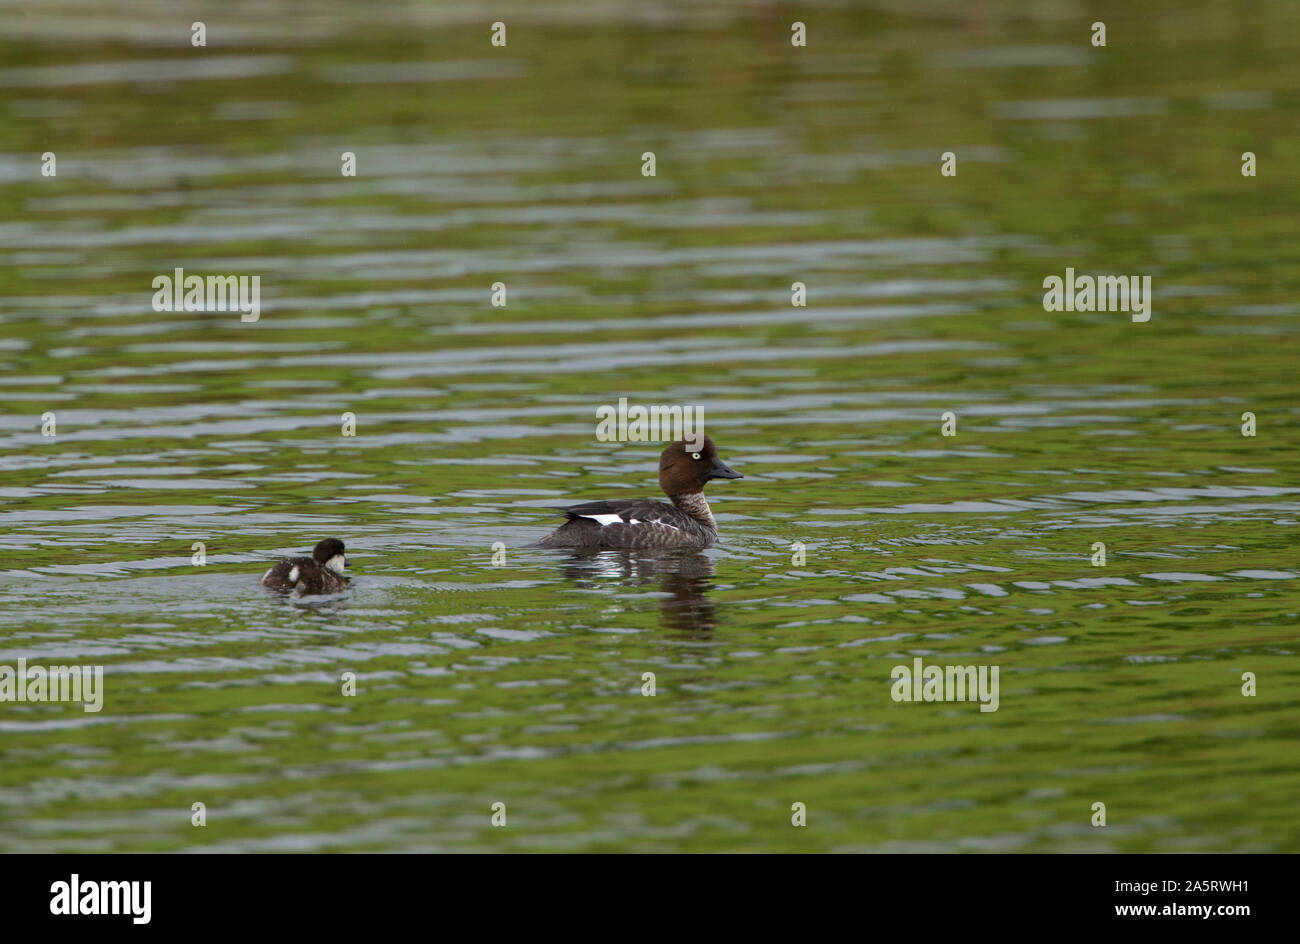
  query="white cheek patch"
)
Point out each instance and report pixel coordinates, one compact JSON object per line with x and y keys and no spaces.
{"x":337,"y":563}
{"x":605,"y":520}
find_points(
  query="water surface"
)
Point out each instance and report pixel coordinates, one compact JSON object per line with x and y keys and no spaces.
{"x":521,"y":683}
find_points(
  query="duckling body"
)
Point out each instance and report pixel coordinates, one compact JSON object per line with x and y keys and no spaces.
{"x":319,"y":574}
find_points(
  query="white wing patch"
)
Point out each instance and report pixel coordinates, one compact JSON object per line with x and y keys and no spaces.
{"x":293,"y":574}
{"x":654,"y":519}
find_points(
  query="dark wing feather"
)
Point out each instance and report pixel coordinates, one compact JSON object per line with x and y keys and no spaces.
{"x":627,"y":524}
{"x":620,"y":508}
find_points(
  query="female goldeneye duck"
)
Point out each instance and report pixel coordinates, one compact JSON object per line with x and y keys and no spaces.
{"x":642,"y":523}
{"x":320,"y":573}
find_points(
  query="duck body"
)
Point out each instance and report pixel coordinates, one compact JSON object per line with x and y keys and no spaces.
{"x":636,"y":523}
{"x":647,"y":524}
{"x":319,"y":574}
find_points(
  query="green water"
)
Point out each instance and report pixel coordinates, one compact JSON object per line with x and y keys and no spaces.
{"x":521,"y":684}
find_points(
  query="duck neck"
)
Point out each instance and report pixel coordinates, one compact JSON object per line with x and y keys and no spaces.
{"x":695,"y":506}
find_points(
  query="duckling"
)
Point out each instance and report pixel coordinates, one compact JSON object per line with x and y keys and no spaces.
{"x":320,"y":573}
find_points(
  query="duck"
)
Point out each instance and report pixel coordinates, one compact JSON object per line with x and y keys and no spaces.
{"x":320,"y":573}
{"x":685,"y":467}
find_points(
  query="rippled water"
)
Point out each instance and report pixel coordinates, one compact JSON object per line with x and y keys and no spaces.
{"x":521,"y":683}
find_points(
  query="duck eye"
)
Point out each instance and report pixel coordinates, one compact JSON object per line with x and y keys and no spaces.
{"x":695,"y":455}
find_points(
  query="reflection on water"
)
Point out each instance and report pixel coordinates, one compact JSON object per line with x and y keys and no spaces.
{"x":683,"y":578}
{"x":478,"y":680}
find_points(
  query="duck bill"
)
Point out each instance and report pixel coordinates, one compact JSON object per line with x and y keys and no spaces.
{"x":721,"y":470}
